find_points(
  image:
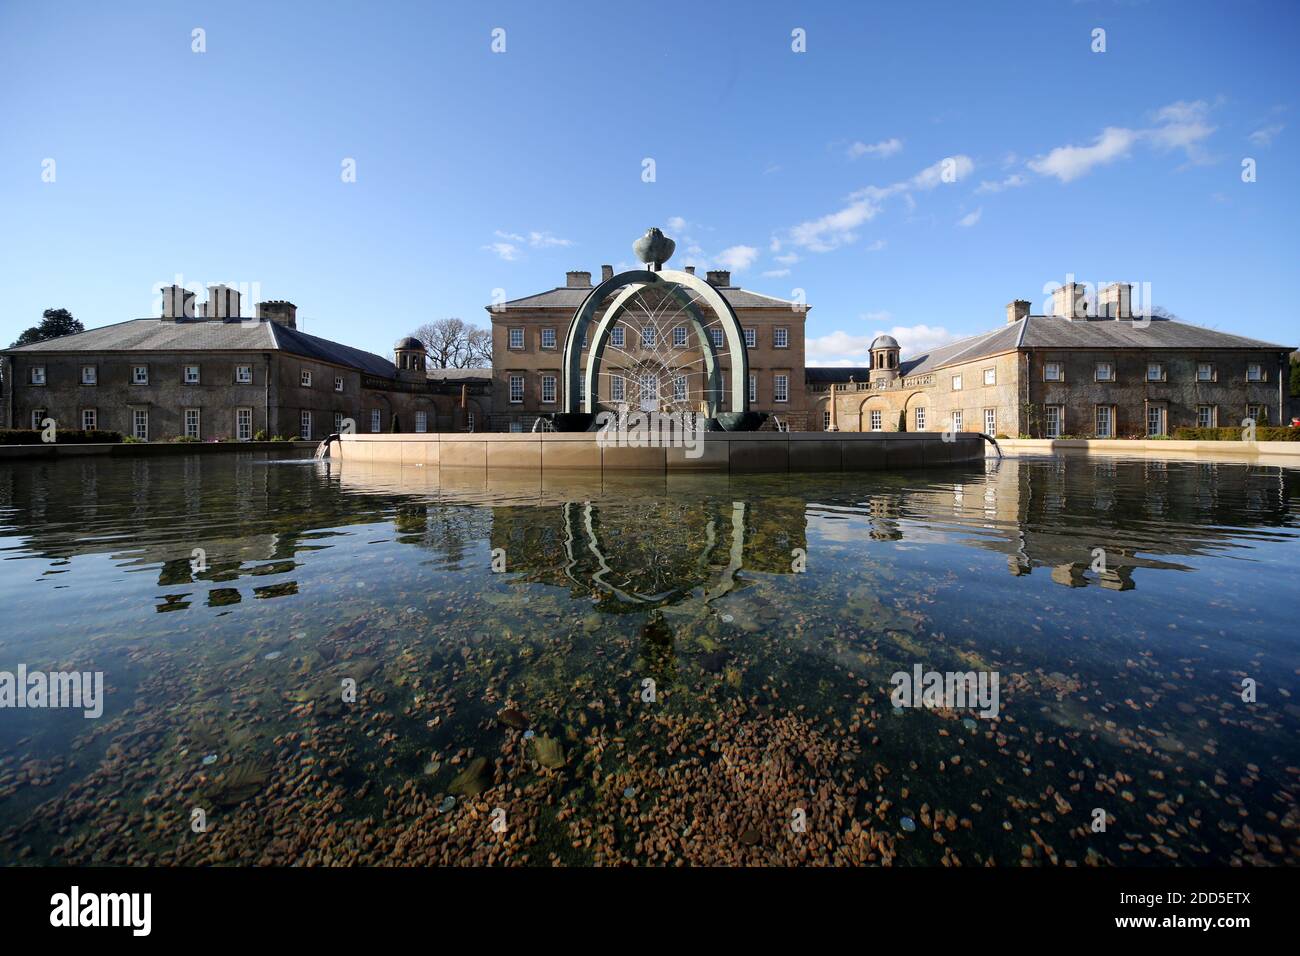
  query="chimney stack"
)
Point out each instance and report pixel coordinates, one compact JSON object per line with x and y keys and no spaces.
{"x":1016,"y":311}
{"x":1115,"y":301}
{"x":606,"y":273}
{"x":719,"y":278}
{"x":177,"y":303}
{"x":279,"y":311}
{"x":578,"y":280}
{"x":1068,"y":302}
{"x":223,"y":303}
{"x":690,"y":270}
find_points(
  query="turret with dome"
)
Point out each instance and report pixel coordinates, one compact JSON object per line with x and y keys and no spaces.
{"x":409,"y":357}
{"x":884,"y":359}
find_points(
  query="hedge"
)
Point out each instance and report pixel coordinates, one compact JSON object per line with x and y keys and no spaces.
{"x":63,"y":436}
{"x":1262,"y":433}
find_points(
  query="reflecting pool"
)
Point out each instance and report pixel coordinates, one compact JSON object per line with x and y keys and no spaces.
{"x":322,"y":664}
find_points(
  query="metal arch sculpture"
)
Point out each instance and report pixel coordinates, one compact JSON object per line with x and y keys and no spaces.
{"x":677,"y":285}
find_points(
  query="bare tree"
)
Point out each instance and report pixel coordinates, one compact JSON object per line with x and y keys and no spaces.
{"x":478,"y":349}
{"x":454,"y":343}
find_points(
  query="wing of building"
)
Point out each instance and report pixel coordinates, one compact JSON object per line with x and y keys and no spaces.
{"x":217,"y":375}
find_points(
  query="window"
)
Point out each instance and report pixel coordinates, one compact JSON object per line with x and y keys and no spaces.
{"x":421,"y":422}
{"x":89,"y":375}
{"x":516,"y":389}
{"x":1155,"y":372}
{"x":1204,"y":372}
{"x":780,"y":338}
{"x":1053,"y":420}
{"x":920,"y":419}
{"x":586,"y":338}
{"x":616,"y":336}
{"x":374,"y":419}
{"x":36,"y":375}
{"x":140,"y":423}
{"x":956,"y":421}
{"x":516,"y":427}
{"x":877,"y":420}
{"x":715,"y":335}
{"x":338,"y":423}
{"x":1205,"y":416}
{"x":516,"y":338}
{"x":1104,"y":372}
{"x":548,"y":389}
{"x":956,"y":383}
{"x":826,"y":420}
{"x":38,"y":416}
{"x":191,"y":376}
{"x":89,"y":419}
{"x":304,"y":378}
{"x":140,"y":376}
{"x":616,"y":388}
{"x":469,"y":421}
{"x":1105,"y":421}
{"x":244,"y":424}
{"x":679,"y":388}
{"x":990,"y":421}
{"x":243,"y":375}
{"x":751,"y":338}
{"x":753,"y":388}
{"x":990,"y":376}
{"x":1258,"y":414}
{"x":191,"y":423}
{"x":582,"y":388}
{"x":338,"y":383}
{"x":647,"y":336}
{"x":304,"y":425}
{"x":548,"y":338}
{"x":679,"y":337}
{"x":1052,"y":372}
{"x":1254,"y":372}
{"x":780,"y":388}
{"x":1155,"y":420}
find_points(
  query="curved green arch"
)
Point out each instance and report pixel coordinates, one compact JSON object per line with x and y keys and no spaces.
{"x":678,"y":283}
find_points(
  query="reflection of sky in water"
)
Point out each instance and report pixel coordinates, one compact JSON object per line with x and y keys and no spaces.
{"x":996,"y":566}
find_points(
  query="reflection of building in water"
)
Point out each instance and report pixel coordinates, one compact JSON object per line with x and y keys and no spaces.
{"x":651,"y":550}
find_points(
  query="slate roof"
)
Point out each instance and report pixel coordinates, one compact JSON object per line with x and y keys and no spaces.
{"x":157,"y":335}
{"x":569,"y":299}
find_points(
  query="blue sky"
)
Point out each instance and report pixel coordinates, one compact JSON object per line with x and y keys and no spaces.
{"x":813,"y":170}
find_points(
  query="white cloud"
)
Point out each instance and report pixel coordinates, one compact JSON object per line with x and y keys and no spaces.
{"x":504,"y":250}
{"x":1071,"y":162}
{"x":844,"y":348}
{"x":676,"y":223}
{"x":970,"y":218}
{"x":876,"y":245}
{"x":1182,"y":125}
{"x":996,"y":186}
{"x":776,"y":273}
{"x":1265,"y":136}
{"x":509,"y":245}
{"x":882,"y":150}
{"x":838,"y":228}
{"x":737,"y":258}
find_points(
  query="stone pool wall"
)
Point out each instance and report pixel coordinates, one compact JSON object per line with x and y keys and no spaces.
{"x":723,"y":452}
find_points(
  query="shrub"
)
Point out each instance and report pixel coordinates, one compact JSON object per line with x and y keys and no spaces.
{"x":1262,"y":433}
{"x":63,"y":436}
{"x":183,"y":438}
{"x":260,"y":435}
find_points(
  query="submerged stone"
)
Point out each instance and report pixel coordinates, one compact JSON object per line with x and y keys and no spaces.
{"x":473,"y":780}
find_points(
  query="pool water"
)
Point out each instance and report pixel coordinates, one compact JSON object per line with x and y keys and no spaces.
{"x":324,"y":664}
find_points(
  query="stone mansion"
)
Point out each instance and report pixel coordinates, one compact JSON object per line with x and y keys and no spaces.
{"x":214,"y":374}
